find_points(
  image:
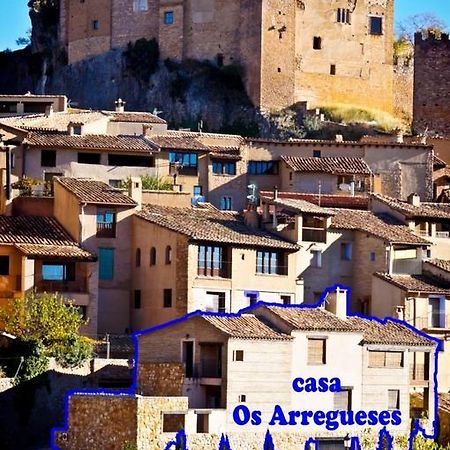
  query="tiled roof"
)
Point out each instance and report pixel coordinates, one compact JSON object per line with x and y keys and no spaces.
{"x":301,"y":206}
{"x":381,"y":226}
{"x":417,"y":283}
{"x":211,"y":226}
{"x":373,"y":331}
{"x":438,"y":163}
{"x":245,"y":326}
{"x":135,"y":144}
{"x":40,"y":237}
{"x":95,"y":192}
{"x":136,"y":117}
{"x":331,"y":165}
{"x":425,"y":210}
{"x":443,"y":264}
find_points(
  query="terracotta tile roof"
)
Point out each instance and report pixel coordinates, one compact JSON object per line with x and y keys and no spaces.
{"x":443,"y":264}
{"x":95,"y":192}
{"x":212,"y":226}
{"x":233,"y":153}
{"x":101,"y":142}
{"x":332,"y":165}
{"x":40,"y":237}
{"x":426,"y":284}
{"x":136,"y":117}
{"x":425,"y":210}
{"x":438,"y":163}
{"x":245,"y":326}
{"x":381,"y":226}
{"x":373,"y":331}
{"x":325,"y":201}
{"x":297,"y":205}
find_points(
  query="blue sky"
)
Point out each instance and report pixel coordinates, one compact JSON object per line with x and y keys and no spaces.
{"x":14,"y":20}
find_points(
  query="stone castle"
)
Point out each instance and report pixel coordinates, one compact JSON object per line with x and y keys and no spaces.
{"x":432,"y":84}
{"x":314,"y":51}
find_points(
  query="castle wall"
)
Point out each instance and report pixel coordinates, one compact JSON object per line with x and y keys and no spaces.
{"x":431,"y":84}
{"x":403,"y":89}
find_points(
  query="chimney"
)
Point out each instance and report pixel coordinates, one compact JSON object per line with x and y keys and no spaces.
{"x":400,"y":312}
{"x":414,"y":199}
{"x":275,"y":192}
{"x":135,"y":190}
{"x":147,"y":129}
{"x":120,"y":105}
{"x":336,"y":302}
{"x":251,"y":218}
{"x":339,"y":138}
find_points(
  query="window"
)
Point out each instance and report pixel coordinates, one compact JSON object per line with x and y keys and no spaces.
{"x":343,"y":15}
{"x":77,"y":130}
{"x":167,"y":298}
{"x":346,"y":251}
{"x":188,"y":358}
{"x":263,"y":167}
{"x":333,"y":69}
{"x":226,"y":204}
{"x":88,"y":158}
{"x":140,"y":5}
{"x":211,"y":261}
{"x":197,"y":191}
{"x":286,"y":299}
{"x":316,"y":351}
{"x":317,"y":43}
{"x":138,"y":257}
{"x":82,"y":311}
{"x":343,"y":399}
{"x":48,"y":158}
{"x":106,"y":263}
{"x":118,"y":160}
{"x":270,"y":263}
{"x":58,"y":272}
{"x":115,"y":183}
{"x":95,"y":26}
{"x":152,"y":256}
{"x":375,"y":25}
{"x":372,"y":256}
{"x":4,"y":265}
{"x":224,"y":167}
{"x":106,"y":223}
{"x":184,"y":163}
{"x":168,"y":254}
{"x":220,"y":59}
{"x":436,"y":312}
{"x":218,"y":301}
{"x":316,"y":258}
{"x":252,"y":297}
{"x":238,"y":355}
{"x":317,"y":153}
{"x":137,"y":299}
{"x":393,"y":360}
{"x":242,"y":398}
{"x":168,"y":18}
{"x":393,"y":399}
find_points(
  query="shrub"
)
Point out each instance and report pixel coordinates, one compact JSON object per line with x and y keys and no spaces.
{"x":142,"y":58}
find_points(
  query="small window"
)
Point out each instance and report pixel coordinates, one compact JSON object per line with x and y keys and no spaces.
{"x":316,"y":258}
{"x":95,"y":26}
{"x":372,"y":256}
{"x":82,"y":311}
{"x":343,"y":399}
{"x":317,"y":153}
{"x":140,"y":5}
{"x":219,"y":59}
{"x":77,"y":130}
{"x":197,"y":191}
{"x":88,"y":158}
{"x":346,"y":251}
{"x":392,"y":360}
{"x":153,"y":256}
{"x":106,"y":263}
{"x":224,"y":167}
{"x":115,"y":183}
{"x":48,"y":158}
{"x":242,"y":398}
{"x":317,"y":43}
{"x":4,"y":265}
{"x":167,"y":298}
{"x":393,"y":399}
{"x":316,"y":351}
{"x":168,"y":254}
{"x":333,"y":69}
{"x":343,"y":15}
{"x":226,"y":204}
{"x":58,"y":271}
{"x":375,"y":25}
{"x":279,"y":69}
{"x":138,"y":257}
{"x":137,"y":299}
{"x":168,"y":18}
{"x":238,"y":355}
{"x":286,"y":299}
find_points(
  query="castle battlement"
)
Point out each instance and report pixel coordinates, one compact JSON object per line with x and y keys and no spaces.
{"x":431,"y":38}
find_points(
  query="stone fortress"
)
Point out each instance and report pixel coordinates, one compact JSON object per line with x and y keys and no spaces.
{"x":314,"y":51}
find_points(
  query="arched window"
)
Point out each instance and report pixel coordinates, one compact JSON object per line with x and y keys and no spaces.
{"x":152,"y":256}
{"x":138,"y":257}
{"x":168,"y":254}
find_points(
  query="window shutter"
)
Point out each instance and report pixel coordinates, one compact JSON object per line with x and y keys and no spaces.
{"x":393,"y":399}
{"x":316,"y":351}
{"x":376,"y":359}
{"x":342,"y":400}
{"x":394,"y":359}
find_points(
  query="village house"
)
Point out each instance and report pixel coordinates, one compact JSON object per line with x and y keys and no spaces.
{"x":37,"y":254}
{"x":100,"y":218}
{"x":185,"y":259}
{"x":192,"y":374}
{"x":31,"y":104}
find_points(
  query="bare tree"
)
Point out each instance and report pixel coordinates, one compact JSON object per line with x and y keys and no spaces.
{"x":423,"y":22}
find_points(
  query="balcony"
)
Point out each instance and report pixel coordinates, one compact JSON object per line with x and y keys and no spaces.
{"x":223,"y":271}
{"x":310,"y":234}
{"x":106,"y":229}
{"x":438,"y":323}
{"x":79,"y":286}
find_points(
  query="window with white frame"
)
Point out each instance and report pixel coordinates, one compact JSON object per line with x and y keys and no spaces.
{"x":140,"y":5}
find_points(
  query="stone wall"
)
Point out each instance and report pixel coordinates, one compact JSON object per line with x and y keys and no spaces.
{"x":431,"y":84}
{"x":403,"y":89}
{"x":160,"y":379}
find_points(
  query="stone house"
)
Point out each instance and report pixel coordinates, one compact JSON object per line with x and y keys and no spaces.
{"x":37,"y":253}
{"x":31,"y":104}
{"x":186,"y":259}
{"x":100,"y":218}
{"x":285,"y":57}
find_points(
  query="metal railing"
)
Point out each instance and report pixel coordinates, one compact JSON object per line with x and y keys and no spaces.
{"x":436,"y":322}
{"x":106,"y":229}
{"x":79,"y":286}
{"x":314,"y":234}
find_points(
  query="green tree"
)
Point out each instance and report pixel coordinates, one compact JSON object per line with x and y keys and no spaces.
{"x":51,"y":326}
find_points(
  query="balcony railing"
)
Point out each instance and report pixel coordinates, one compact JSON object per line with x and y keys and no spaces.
{"x":314,"y":234}
{"x":205,"y":369}
{"x":224,"y":271}
{"x":443,"y":234}
{"x":441,"y":322}
{"x":79,"y":286}
{"x":106,"y":229}
{"x":418,"y":372}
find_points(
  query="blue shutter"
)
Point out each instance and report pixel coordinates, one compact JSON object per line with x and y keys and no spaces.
{"x":106,"y":263}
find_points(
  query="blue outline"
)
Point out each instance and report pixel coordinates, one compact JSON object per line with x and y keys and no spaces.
{"x":224,"y":441}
